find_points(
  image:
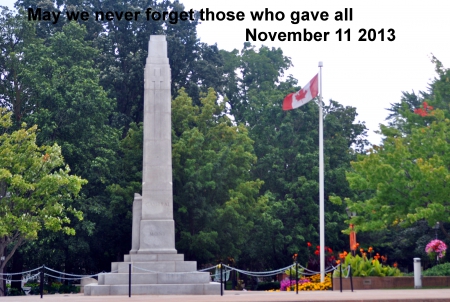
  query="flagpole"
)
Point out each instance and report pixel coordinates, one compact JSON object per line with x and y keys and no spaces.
{"x":321,"y":182}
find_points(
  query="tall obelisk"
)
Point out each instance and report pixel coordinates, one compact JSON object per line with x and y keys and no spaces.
{"x":153,"y":224}
{"x":156,"y":267}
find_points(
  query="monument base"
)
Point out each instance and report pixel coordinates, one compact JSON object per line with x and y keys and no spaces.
{"x":154,"y":274}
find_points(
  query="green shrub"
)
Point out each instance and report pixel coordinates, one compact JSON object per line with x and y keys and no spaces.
{"x":15,"y":292}
{"x":363,"y":267}
{"x":54,"y":288}
{"x":35,"y":289}
{"x":268,"y":285}
{"x":438,"y":270}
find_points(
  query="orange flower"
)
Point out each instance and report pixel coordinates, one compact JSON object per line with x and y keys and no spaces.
{"x":338,"y":261}
{"x":345,"y":253}
{"x":361,"y":250}
{"x":370,"y":250}
{"x":341,"y":255}
{"x":365,"y":255}
{"x":395,"y":264}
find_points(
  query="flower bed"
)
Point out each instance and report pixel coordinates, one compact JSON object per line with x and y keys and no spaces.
{"x":307,"y":283}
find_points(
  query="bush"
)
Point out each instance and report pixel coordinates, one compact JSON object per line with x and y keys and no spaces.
{"x":35,"y":289}
{"x":268,"y":285}
{"x":438,"y":270}
{"x":54,"y":288}
{"x":363,"y":267}
{"x":15,"y":292}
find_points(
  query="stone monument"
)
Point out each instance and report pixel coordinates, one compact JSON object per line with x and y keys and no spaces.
{"x":155,"y":265}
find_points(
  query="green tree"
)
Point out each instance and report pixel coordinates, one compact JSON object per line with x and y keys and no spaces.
{"x":36,"y":190}
{"x":406,"y":176}
{"x":16,"y":33}
{"x":73,"y":110}
{"x":213,"y":192}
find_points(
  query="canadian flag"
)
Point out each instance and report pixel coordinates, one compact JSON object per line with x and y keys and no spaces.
{"x":303,"y":96}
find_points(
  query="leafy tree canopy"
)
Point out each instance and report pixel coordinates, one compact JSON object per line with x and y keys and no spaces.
{"x":36,"y":189}
{"x":407,"y":177}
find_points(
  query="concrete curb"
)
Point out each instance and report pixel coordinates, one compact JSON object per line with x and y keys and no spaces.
{"x":424,"y":295}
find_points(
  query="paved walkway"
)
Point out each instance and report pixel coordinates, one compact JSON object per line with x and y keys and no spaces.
{"x":423,"y":295}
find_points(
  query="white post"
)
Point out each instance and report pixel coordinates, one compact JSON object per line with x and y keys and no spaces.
{"x":321,"y":183}
{"x":417,"y":273}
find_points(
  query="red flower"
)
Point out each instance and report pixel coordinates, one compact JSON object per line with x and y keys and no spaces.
{"x":318,"y":247}
{"x":317,"y":252}
{"x":309,"y":244}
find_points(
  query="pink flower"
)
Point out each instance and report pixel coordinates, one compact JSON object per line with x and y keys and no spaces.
{"x":436,"y":247}
{"x":288,"y":283}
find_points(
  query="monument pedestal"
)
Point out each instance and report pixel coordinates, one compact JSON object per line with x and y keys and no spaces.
{"x":156,"y":268}
{"x":154,"y":274}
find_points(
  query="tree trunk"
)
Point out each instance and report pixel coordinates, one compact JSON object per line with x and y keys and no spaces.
{"x":17,"y":267}
{"x":3,"y":281}
{"x":441,"y":225}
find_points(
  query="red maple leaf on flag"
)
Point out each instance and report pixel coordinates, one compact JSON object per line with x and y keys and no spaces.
{"x":300,"y":95}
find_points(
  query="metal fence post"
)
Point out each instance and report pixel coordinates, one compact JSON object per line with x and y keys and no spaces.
{"x":221,"y":279}
{"x":340,"y":276}
{"x":351,"y":279}
{"x":296,"y":275}
{"x":41,"y":285}
{"x":129,"y":280}
{"x":332,"y":283}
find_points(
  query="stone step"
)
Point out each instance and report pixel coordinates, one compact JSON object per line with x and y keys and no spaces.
{"x":154,"y":267}
{"x":211,"y":288}
{"x":160,"y":278}
{"x":153,"y":257}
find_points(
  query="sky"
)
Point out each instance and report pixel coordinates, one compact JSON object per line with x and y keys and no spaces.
{"x":368,"y":75}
